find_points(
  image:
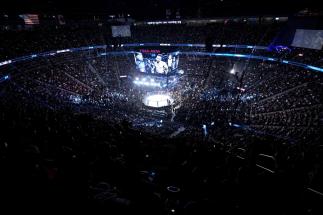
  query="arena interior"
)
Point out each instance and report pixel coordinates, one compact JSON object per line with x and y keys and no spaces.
{"x":212,"y":107}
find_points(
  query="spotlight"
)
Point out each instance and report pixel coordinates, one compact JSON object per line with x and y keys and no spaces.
{"x":158,"y":100}
{"x":181,"y":72}
{"x":232,"y":71}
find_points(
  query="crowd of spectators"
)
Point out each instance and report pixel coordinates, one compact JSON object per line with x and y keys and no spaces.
{"x":46,"y":38}
{"x":251,"y":142}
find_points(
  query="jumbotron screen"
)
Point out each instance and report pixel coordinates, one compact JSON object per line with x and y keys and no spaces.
{"x":155,"y":62}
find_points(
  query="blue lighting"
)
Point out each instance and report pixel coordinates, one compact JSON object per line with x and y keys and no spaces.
{"x":4,"y":78}
{"x":144,"y":82}
{"x":76,"y":99}
{"x":234,"y":125}
{"x":204,"y":130}
{"x":315,"y":68}
{"x":284,"y":48}
{"x":305,"y":66}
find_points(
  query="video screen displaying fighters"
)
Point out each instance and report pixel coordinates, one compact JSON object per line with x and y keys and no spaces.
{"x":156,"y":62}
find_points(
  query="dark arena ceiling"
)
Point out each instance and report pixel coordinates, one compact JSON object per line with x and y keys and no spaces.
{"x":156,"y":8}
